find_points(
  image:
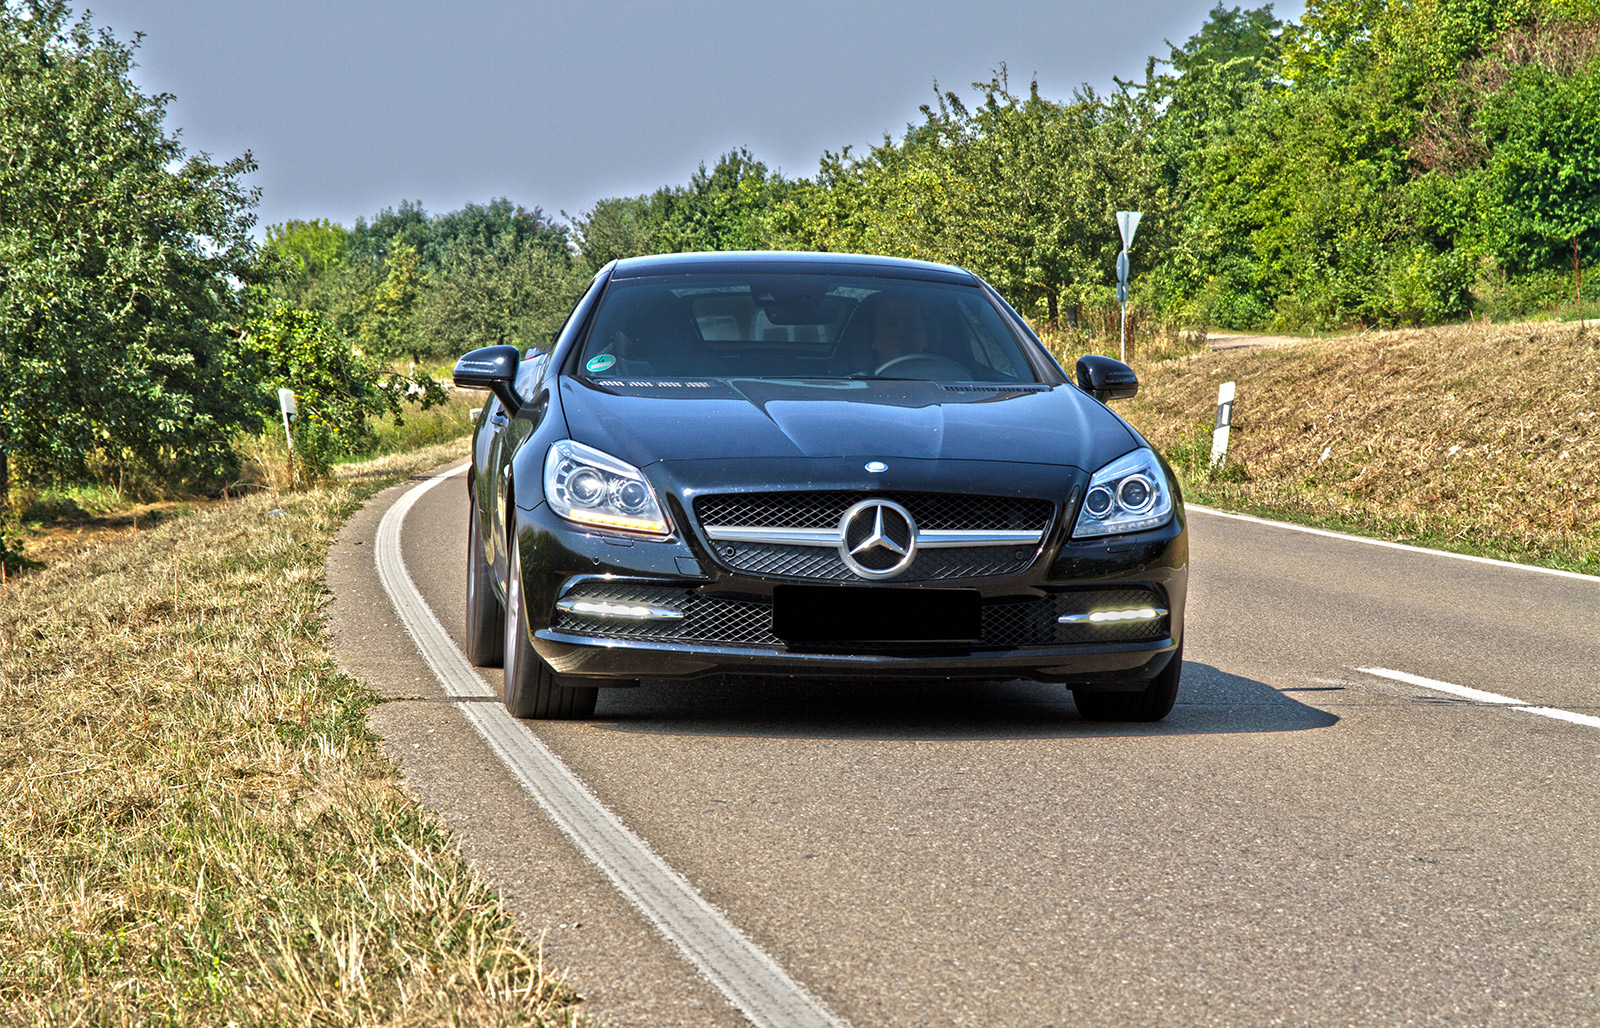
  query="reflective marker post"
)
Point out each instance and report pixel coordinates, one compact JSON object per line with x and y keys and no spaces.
{"x":286,"y":404}
{"x":1127,"y":225}
{"x":1219,"y":434}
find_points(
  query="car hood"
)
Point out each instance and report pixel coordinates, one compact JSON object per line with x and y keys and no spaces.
{"x":646,"y":421}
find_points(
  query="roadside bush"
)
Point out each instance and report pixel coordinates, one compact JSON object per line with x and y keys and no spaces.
{"x":1427,"y":286}
{"x":1520,"y":297}
{"x":337,"y":388}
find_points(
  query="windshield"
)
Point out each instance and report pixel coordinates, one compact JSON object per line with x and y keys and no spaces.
{"x":797,"y":325}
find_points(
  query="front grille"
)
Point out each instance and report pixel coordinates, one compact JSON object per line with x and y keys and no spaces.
{"x":823,"y":510}
{"x":824,"y":563}
{"x":722,"y":621}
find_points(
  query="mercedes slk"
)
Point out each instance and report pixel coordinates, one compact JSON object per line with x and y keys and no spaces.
{"x":814,"y":464}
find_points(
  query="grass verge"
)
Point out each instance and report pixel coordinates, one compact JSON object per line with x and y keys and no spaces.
{"x":1481,"y":439}
{"x":196,"y":824}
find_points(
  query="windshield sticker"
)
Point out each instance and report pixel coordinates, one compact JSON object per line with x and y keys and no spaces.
{"x":601,"y":363}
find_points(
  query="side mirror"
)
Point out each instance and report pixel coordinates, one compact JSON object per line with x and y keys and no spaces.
{"x":1106,"y":379}
{"x":493,"y":368}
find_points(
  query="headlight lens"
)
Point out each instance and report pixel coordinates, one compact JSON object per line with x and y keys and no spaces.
{"x":590,"y":487}
{"x":1128,"y":495}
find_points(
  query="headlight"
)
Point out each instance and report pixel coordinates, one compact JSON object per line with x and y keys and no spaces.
{"x":1128,"y":495}
{"x":583,"y":484}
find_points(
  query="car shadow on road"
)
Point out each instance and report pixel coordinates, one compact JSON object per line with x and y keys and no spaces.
{"x":1211,"y":701}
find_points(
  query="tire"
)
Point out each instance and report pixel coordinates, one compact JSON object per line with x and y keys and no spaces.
{"x":1149,"y":704}
{"x":533,"y":690}
{"x":486,"y":615}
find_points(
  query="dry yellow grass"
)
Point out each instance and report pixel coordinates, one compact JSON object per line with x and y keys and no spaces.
{"x":196,"y":825}
{"x":1484,"y":438}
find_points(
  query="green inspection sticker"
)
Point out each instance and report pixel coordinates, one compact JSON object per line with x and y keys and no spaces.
{"x":600,"y":363}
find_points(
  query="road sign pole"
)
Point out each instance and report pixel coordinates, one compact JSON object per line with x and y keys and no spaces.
{"x":1127,"y":225}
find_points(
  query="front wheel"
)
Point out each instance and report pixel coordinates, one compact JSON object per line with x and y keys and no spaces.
{"x":1152,"y":703}
{"x":533,"y":689}
{"x":486,"y":616}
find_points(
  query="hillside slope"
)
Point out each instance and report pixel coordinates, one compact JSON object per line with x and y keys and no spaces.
{"x":1482,"y":438}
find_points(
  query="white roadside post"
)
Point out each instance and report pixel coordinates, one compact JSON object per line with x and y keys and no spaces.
{"x":1127,"y":225}
{"x":287,"y":406}
{"x":1219,"y":434}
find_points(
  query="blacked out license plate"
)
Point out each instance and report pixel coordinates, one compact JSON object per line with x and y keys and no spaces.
{"x":814,"y":614}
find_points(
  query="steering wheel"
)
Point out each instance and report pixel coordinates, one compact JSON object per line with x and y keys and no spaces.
{"x":932,"y":365}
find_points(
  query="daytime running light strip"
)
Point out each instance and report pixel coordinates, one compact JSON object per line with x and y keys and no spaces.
{"x":1101,"y":617}
{"x":612,"y":609}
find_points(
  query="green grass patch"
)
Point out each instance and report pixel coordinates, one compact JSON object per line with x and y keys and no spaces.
{"x":415,"y":429}
{"x":197,"y":826}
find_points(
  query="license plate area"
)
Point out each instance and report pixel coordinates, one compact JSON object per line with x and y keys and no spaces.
{"x":822,"y":614}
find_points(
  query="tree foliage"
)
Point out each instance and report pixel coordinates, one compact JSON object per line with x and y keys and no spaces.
{"x":120,"y":260}
{"x":337,"y":388}
{"x":1374,"y":162}
{"x":412,"y":285}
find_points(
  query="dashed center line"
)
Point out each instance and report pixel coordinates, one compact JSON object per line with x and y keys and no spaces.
{"x":1480,"y":696}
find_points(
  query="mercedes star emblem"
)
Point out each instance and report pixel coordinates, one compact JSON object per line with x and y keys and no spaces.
{"x":877,"y":538}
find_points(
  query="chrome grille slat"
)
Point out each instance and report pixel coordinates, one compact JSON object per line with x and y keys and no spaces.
{"x":794,"y":534}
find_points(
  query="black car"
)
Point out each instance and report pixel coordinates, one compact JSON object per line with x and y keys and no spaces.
{"x":814,"y":464}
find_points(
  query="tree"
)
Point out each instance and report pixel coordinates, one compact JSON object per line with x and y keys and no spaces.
{"x":120,"y":262}
{"x":1510,"y":144}
{"x":1019,"y":189}
{"x":383,"y":314}
{"x":308,"y":250}
{"x":513,"y":294}
{"x":1216,"y":75}
{"x":619,"y":227}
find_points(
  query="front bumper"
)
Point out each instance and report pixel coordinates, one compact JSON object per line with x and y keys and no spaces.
{"x":561,"y":560}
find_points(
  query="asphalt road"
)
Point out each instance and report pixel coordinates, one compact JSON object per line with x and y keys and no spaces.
{"x":1300,"y":842}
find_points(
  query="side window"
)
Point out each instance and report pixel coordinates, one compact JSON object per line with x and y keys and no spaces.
{"x":986,"y":350}
{"x":528,"y":375}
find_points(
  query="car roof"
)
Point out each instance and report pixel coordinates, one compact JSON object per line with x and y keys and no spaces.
{"x":768,"y":261}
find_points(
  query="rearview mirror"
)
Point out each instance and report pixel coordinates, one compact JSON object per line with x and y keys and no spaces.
{"x":1106,"y":379}
{"x":493,"y":368}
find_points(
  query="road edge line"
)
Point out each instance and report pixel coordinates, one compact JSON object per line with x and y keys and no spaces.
{"x":750,"y":979}
{"x":1480,"y":696}
{"x":1387,"y":544}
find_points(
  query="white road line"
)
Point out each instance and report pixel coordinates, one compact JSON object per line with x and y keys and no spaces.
{"x":1479,"y":696}
{"x":1563,"y":715}
{"x":751,"y":980}
{"x":1308,"y":530}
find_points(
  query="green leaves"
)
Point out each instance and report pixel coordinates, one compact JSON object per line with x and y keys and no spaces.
{"x":120,"y":259}
{"x":408,"y":284}
{"x":337,"y":388}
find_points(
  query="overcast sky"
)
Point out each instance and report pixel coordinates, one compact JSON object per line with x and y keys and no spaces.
{"x":350,"y":106}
